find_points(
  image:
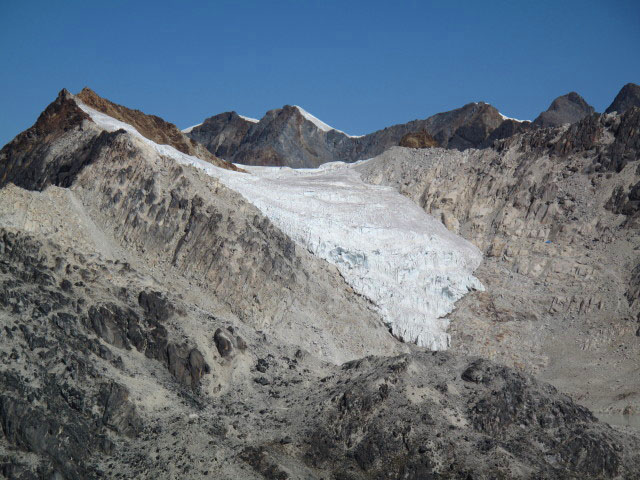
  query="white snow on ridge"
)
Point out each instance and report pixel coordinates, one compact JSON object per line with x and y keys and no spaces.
{"x":320,"y":124}
{"x":188,"y":129}
{"x":249,"y":119}
{"x":504,"y":117}
{"x":316,"y":121}
{"x":385,"y":246}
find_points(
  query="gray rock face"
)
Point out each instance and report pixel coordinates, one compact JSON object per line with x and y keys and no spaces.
{"x":568,"y":108}
{"x":285,"y":137}
{"x":222,"y":134}
{"x":628,"y":96}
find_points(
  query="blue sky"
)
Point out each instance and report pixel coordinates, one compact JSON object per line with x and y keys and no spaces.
{"x":357,"y":65}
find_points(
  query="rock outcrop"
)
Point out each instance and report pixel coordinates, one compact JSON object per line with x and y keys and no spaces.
{"x":420,"y":139}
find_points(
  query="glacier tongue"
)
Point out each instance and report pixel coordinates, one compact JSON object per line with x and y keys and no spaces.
{"x":386,"y":247}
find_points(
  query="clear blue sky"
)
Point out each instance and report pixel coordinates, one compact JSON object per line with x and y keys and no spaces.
{"x":357,"y":65}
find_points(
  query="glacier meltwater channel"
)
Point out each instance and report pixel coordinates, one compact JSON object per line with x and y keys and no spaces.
{"x":386,"y":247}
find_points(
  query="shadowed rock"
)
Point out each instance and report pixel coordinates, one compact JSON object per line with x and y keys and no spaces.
{"x":568,"y":108}
{"x":628,"y":96}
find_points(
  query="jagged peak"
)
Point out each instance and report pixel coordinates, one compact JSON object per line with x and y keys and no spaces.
{"x":567,"y":108}
{"x":627,"y":97}
{"x":572,"y":97}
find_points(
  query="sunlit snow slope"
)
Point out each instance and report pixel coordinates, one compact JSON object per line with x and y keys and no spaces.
{"x":386,"y":247}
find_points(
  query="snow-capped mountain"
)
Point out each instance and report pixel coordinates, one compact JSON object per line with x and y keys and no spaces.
{"x":167,"y":314}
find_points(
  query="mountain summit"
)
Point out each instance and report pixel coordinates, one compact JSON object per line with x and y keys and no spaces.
{"x":628,"y":96}
{"x":567,"y":108}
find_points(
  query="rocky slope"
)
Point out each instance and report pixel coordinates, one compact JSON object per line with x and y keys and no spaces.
{"x":157,"y":325}
{"x":105,"y":375}
{"x":568,"y":108}
{"x":556,"y":213}
{"x":186,"y":220}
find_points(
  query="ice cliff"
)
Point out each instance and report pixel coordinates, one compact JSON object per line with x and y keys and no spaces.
{"x":387,"y":248}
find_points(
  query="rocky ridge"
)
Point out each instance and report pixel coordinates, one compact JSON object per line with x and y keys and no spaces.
{"x":150,"y":126}
{"x":286,"y":137}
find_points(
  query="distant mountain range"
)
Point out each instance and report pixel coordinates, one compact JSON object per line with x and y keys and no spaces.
{"x":290,"y":136}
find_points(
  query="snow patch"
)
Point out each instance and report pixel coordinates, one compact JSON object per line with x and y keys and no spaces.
{"x":320,"y":124}
{"x":188,"y":129}
{"x":504,"y":117}
{"x":386,"y":247}
{"x":249,"y":119}
{"x":317,"y":122}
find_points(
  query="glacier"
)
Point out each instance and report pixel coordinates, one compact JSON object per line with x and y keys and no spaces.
{"x":387,"y":249}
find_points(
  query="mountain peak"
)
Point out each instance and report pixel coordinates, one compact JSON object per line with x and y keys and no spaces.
{"x":628,"y":96}
{"x":568,"y":108}
{"x":151,"y":127}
